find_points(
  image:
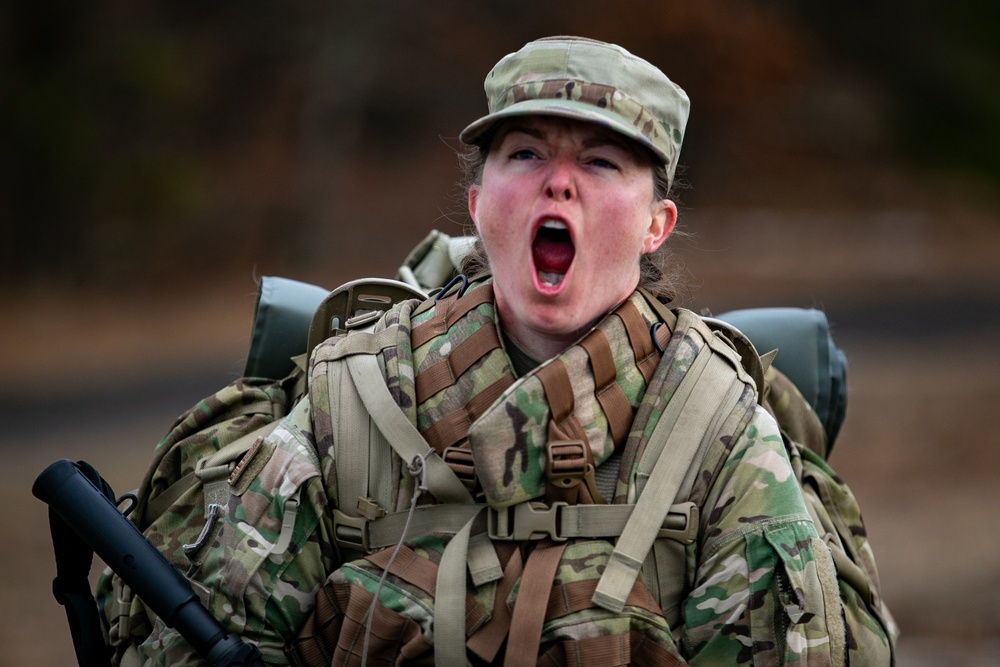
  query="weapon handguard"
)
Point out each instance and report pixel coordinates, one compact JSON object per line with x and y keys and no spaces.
{"x":116,"y":540}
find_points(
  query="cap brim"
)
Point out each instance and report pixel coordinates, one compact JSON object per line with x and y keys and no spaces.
{"x":564,"y":109}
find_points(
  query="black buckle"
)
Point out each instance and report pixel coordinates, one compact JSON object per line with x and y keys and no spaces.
{"x":526,"y":521}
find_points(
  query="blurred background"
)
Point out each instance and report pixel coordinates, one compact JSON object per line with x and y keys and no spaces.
{"x":157,"y":158}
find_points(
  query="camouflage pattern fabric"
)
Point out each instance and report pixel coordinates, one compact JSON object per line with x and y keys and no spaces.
{"x":256,"y":575}
{"x":871,"y":630}
{"x":593,"y":81}
{"x":764,"y":589}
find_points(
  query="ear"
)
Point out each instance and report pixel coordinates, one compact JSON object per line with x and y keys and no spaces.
{"x":473,"y":203}
{"x":661,"y":225}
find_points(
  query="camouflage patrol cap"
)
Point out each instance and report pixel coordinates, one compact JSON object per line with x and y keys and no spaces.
{"x":581,"y":78}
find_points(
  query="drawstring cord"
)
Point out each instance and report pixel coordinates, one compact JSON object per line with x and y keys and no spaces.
{"x":417,"y":470}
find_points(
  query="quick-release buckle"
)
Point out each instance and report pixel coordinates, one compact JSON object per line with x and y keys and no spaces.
{"x":566,"y":462}
{"x":461,"y":463}
{"x":350,"y":532}
{"x":526,"y":521}
{"x":681,"y":523}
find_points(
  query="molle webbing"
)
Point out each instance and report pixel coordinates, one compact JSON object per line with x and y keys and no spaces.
{"x":563,"y":424}
{"x":470,"y":346}
{"x":447,"y":311}
{"x":443,"y":373}
{"x":611,"y":397}
{"x":452,"y":428}
{"x":647,"y":357}
{"x":448,"y":433}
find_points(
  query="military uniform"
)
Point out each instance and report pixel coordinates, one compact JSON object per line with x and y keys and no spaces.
{"x":399,"y":534}
{"x":760,"y":582}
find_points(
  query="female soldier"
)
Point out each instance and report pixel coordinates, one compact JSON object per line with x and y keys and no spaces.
{"x":559,"y":468}
{"x":569,"y":202}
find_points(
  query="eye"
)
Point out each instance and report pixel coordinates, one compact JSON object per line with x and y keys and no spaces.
{"x":603,"y":163}
{"x":523,"y":154}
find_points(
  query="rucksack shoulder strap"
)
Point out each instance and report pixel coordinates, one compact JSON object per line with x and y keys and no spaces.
{"x":368,"y":426}
{"x":701,"y":405}
{"x":401,"y":434}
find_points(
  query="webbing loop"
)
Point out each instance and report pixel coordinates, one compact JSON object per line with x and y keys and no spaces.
{"x":462,"y":464}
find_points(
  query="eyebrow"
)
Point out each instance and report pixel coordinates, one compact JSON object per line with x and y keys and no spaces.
{"x":598,"y":138}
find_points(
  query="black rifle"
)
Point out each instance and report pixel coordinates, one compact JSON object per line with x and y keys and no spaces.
{"x":75,"y":502}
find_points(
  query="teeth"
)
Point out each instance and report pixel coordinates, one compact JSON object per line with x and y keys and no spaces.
{"x":549,"y":279}
{"x":553,"y":224}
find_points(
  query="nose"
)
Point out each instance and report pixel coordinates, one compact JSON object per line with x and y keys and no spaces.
{"x":559,"y":184}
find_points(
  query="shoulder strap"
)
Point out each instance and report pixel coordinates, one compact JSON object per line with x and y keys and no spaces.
{"x":368,"y":425}
{"x":708,"y":393}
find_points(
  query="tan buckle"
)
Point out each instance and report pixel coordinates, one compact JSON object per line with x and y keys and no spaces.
{"x":350,"y":532}
{"x":526,"y":521}
{"x":681,"y":523}
{"x":461,"y":463}
{"x":566,"y":462}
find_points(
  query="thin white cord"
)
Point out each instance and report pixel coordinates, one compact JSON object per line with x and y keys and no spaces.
{"x":418,"y":470}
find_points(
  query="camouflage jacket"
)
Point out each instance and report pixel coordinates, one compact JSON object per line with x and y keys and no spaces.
{"x":759,"y":585}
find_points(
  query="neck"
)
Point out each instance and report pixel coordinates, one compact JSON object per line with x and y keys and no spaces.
{"x":534,"y":344}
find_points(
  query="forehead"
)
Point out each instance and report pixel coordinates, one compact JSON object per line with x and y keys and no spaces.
{"x":546,"y":127}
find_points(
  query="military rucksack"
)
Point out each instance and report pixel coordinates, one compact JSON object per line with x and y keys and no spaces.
{"x":194,"y":464}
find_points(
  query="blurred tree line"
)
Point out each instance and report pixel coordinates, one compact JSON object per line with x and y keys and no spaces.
{"x":158,"y":141}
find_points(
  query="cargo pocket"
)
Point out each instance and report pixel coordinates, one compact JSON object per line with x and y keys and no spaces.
{"x":808,"y":594}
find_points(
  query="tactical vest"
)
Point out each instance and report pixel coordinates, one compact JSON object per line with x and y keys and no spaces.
{"x":513,"y":502}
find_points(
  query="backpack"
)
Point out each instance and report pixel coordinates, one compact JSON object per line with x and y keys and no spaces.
{"x":208,"y":446}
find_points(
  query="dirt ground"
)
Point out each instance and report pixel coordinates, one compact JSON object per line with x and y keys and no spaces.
{"x":101,"y":379}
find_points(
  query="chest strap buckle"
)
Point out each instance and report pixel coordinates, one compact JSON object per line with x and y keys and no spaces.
{"x":526,"y":521}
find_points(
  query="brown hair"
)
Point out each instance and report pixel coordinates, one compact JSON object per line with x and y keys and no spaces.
{"x":658,"y":271}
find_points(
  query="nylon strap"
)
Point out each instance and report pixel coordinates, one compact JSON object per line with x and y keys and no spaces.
{"x":486,"y":642}
{"x":444,"y":373}
{"x":402,"y":435}
{"x":449,"y":600}
{"x":531,"y":605}
{"x":611,"y":397}
{"x":447,"y":310}
{"x":646,"y":356}
{"x":454,"y":426}
{"x":682,"y":429}
{"x":352,"y":429}
{"x":559,"y":395}
{"x":586,"y":521}
{"x":448,"y":518}
{"x":574,"y":596}
{"x":368,"y":343}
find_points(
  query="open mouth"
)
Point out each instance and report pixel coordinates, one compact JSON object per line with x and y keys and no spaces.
{"x":552,"y":253}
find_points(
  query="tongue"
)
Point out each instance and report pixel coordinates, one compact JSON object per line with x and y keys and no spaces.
{"x":552,"y":256}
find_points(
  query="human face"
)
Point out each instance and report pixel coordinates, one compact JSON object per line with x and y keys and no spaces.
{"x":565,"y":209}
